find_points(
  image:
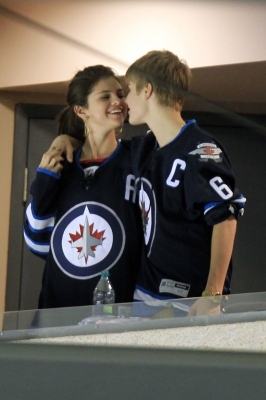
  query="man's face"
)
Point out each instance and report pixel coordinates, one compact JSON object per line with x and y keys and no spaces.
{"x":136,"y":104}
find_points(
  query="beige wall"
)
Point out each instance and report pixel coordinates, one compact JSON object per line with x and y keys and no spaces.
{"x":203,"y":32}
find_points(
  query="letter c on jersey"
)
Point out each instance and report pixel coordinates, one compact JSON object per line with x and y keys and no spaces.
{"x":182,"y":166}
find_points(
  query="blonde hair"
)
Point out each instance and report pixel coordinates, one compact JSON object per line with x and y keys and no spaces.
{"x":169,"y":76}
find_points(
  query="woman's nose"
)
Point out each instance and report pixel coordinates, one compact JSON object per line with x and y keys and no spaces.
{"x":117,"y":100}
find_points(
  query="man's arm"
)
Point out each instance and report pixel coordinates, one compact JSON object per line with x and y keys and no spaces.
{"x":223,"y":237}
{"x":65,"y":144}
{"x":221,"y":251}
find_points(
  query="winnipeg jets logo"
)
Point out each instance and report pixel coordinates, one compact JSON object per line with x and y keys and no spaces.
{"x":144,"y":211}
{"x":207,"y":151}
{"x":87,"y":239}
{"x":90,"y":171}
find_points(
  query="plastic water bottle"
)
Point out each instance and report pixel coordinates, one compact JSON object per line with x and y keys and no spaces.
{"x":104,"y":292}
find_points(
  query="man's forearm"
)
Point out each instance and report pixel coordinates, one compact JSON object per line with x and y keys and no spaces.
{"x":65,"y":144}
{"x":221,"y":251}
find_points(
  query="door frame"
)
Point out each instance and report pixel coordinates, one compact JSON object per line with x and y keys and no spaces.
{"x":23,"y":114}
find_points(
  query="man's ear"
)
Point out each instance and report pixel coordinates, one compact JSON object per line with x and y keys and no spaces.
{"x":81,"y":112}
{"x":148,"y":90}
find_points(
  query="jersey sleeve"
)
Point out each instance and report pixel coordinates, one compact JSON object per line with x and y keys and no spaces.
{"x":210,"y":184}
{"x":40,"y":213}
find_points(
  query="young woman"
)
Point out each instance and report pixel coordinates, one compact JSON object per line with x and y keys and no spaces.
{"x":83,"y":217}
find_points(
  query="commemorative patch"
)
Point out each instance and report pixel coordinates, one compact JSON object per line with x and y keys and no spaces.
{"x":208,"y":151}
{"x":88,"y":239}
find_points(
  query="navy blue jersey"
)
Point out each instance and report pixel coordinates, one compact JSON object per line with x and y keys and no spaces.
{"x":84,"y":222}
{"x":183,"y":188}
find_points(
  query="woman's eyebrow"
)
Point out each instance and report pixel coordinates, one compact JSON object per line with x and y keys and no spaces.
{"x":104,"y":91}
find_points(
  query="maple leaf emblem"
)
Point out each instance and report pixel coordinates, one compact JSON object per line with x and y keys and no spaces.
{"x":144,"y":215}
{"x":208,"y":150}
{"x":87,"y":240}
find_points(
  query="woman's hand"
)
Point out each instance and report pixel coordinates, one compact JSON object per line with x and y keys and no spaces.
{"x":65,"y":144}
{"x":51,"y":160}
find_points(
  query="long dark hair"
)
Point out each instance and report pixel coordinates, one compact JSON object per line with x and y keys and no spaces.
{"x":79,"y":89}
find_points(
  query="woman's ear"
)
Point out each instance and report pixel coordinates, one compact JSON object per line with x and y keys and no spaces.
{"x":81,"y":112}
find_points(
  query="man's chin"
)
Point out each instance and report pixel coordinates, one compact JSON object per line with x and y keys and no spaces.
{"x":132,"y":121}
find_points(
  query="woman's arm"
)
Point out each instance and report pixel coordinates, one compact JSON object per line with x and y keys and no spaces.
{"x":40,"y":213}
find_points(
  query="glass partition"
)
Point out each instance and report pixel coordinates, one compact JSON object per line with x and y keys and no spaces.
{"x":111,"y":318}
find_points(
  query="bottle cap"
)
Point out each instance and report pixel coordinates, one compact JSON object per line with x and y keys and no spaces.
{"x":105,"y":274}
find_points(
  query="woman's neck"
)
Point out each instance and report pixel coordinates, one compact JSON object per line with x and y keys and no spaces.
{"x":97,"y":146}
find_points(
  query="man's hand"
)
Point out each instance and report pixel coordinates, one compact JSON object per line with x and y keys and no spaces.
{"x":204,"y":306}
{"x":65,"y":144}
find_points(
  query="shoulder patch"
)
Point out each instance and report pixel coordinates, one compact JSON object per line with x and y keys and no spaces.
{"x":208,"y":151}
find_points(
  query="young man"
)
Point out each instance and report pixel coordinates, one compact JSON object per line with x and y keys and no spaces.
{"x":186,"y":190}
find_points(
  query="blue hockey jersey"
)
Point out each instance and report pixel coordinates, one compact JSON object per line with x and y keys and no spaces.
{"x":84,"y":222}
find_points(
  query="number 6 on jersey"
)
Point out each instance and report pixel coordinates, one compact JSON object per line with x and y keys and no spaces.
{"x":221,"y":188}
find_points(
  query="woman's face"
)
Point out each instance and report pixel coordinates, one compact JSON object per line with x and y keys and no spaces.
{"x":106,"y":105}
